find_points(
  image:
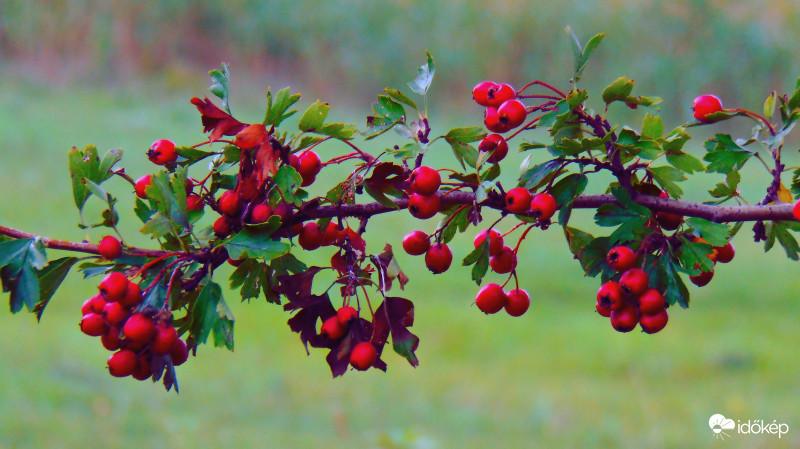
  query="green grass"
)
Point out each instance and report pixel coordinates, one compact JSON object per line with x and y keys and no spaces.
{"x":557,"y":377}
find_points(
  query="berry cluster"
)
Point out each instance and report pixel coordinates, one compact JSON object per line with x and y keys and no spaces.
{"x":423,"y":199}
{"x":492,"y":298}
{"x":363,"y":355}
{"x":721,"y":254}
{"x":145,"y":340}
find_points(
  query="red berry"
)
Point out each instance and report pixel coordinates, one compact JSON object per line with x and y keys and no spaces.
{"x":332,"y":328}
{"x":512,"y":112}
{"x":346,"y":314}
{"x":602,"y":309}
{"x":133,"y":295}
{"x":164,"y":339}
{"x":480,"y":93}
{"x":139,"y":328}
{"x":667,"y":220}
{"x":109,"y":247}
{"x":609,"y":296}
{"x":143,"y":369}
{"x":222,"y":227}
{"x":702,"y":279}
{"x":141,"y":185}
{"x":625,"y":319}
{"x":86,"y":307}
{"x":363,"y":356}
{"x":111,"y":339}
{"x":705,"y":105}
{"x":495,"y":241}
{"x":495,"y":144}
{"x":651,"y":302}
{"x":310,"y":236}
{"x":416,"y":243}
{"x":634,"y":281}
{"x":122,"y":363}
{"x":93,"y":324}
{"x":194,"y":202}
{"x":621,"y":258}
{"x":261,"y":213}
{"x":493,"y":123}
{"x":425,"y":180}
{"x":162,"y":152}
{"x":796,"y":210}
{"x":114,"y":286}
{"x":543,"y":206}
{"x":98,"y":303}
{"x":438,"y":258}
{"x":518,"y":302}
{"x":229,"y":203}
{"x":652,"y":323}
{"x":284,"y":211}
{"x":179,"y":353}
{"x":423,"y":206}
{"x":500,"y":94}
{"x":307,"y":164}
{"x":115,"y":313}
{"x":504,"y":262}
{"x":491,"y":298}
{"x":518,"y":200}
{"x":725,"y":253}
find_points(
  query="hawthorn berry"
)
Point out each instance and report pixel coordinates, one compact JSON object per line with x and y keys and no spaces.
{"x":416,"y":243}
{"x":332,"y":328}
{"x":261,"y":213}
{"x":702,"y":279}
{"x":705,"y":105}
{"x":363,"y":356}
{"x":480,"y":93}
{"x":97,"y":303}
{"x":164,"y":338}
{"x":141,"y":186}
{"x":621,"y":258}
{"x":109,"y":247}
{"x":93,"y":324}
{"x":438,"y":258}
{"x":229,"y":203}
{"x":651,"y":302}
{"x":652,"y":323}
{"x":667,"y":220}
{"x":496,"y":145}
{"x":346,"y":314}
{"x":500,"y":94}
{"x":86,"y":307}
{"x":493,"y":123}
{"x":111,"y":339}
{"x":162,"y":152}
{"x":307,"y":164}
{"x":143,"y":369}
{"x":518,"y":302}
{"x":425,"y":180}
{"x":194,"y":202}
{"x":518,"y":200}
{"x":512,"y":112}
{"x":725,"y":253}
{"x":503,"y":262}
{"x":222,"y":227}
{"x":491,"y":298}
{"x":310,"y":236}
{"x":139,"y":328}
{"x":179,"y":353}
{"x":796,"y":210}
{"x":495,"y":241}
{"x":544,"y":206}
{"x":634,"y":281}
{"x":122,"y":363}
{"x":602,"y":309}
{"x":115,"y":313}
{"x":114,"y":286}
{"x":625,"y":318}
{"x":423,"y":206}
{"x":284,"y":210}
{"x":610,"y":297}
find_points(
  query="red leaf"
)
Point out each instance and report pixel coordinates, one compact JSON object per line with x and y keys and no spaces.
{"x":216,"y":120}
{"x":394,"y":316}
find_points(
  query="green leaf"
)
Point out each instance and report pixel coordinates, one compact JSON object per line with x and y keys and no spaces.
{"x":256,"y":241}
{"x":107,"y":163}
{"x":343,"y":131}
{"x":675,"y":140}
{"x":480,"y":257}
{"x":666,"y":177}
{"x":780,"y":230}
{"x":83,"y":164}
{"x":694,"y":254}
{"x":220,"y":85}
{"x":536,"y":175}
{"x":399,"y":96}
{"x":624,"y":198}
{"x":277,"y":110}
{"x":724,"y":154}
{"x":288,"y":182}
{"x":582,"y":55}
{"x":565,"y":191}
{"x":157,"y":226}
{"x":652,"y":126}
{"x":205,"y":313}
{"x":685,"y":162}
{"x":671,"y":283}
{"x":422,"y":82}
{"x":456,"y":221}
{"x":26,"y":289}
{"x":314,"y":117}
{"x":619,"y":90}
{"x":579,"y":244}
{"x":769,"y":105}
{"x":387,"y":114}
{"x":730,"y":189}
{"x":576,"y":98}
{"x":223,"y":327}
{"x":193,"y":155}
{"x":465,"y":135}
{"x":715,"y":233}
{"x":50,"y":278}
{"x":13,"y":249}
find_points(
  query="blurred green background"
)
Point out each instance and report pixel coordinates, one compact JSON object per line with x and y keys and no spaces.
{"x":119,"y":75}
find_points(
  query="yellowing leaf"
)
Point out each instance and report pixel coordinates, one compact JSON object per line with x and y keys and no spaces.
{"x":785,"y":195}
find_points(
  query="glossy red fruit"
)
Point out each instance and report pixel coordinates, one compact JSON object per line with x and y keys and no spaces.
{"x":651,"y":302}
{"x":544,"y":206}
{"x":162,"y":152}
{"x":438,"y":258}
{"x":86,"y":307}
{"x":122,"y":363}
{"x":346,"y":314}
{"x":492,"y":121}
{"x":284,"y":211}
{"x":229,"y":203}
{"x":610,"y":296}
{"x":109,"y":247}
{"x":98,"y":303}
{"x":310,"y":236}
{"x":621,"y":258}
{"x":518,"y":200}
{"x":652,"y":323}
{"x":518,"y":302}
{"x":495,"y":241}
{"x":425,"y":180}
{"x":194,"y":202}
{"x":164,"y":338}
{"x":111,"y":339}
{"x":179,"y":353}
{"x":423,"y":206}
{"x":667,"y":220}
{"x":141,"y":186}
{"x":602,"y":309}
{"x":500,"y":94}
{"x":705,"y":105}
{"x":261,"y":213}
{"x":115,"y":313}
{"x":480,"y":93}
{"x":114,"y":286}
{"x":512,"y":112}
{"x":93,"y":324}
{"x":139,"y":328}
{"x":143,"y":369}
{"x":625,"y":318}
{"x":133,"y":295}
{"x":503,"y":262}
{"x":634,"y":281}
{"x":491,"y":298}
{"x":702,"y":279}
{"x":725,"y":253}
{"x":796,"y":210}
{"x":222,"y":227}
{"x":310,"y":164}
{"x":416,"y":243}
{"x":332,"y":328}
{"x":363,"y":356}
{"x":495,"y":144}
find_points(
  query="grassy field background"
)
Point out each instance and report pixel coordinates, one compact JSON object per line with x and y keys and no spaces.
{"x":557,"y":377}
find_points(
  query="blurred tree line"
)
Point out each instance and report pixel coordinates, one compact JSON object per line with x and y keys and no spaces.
{"x":349,"y":49}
